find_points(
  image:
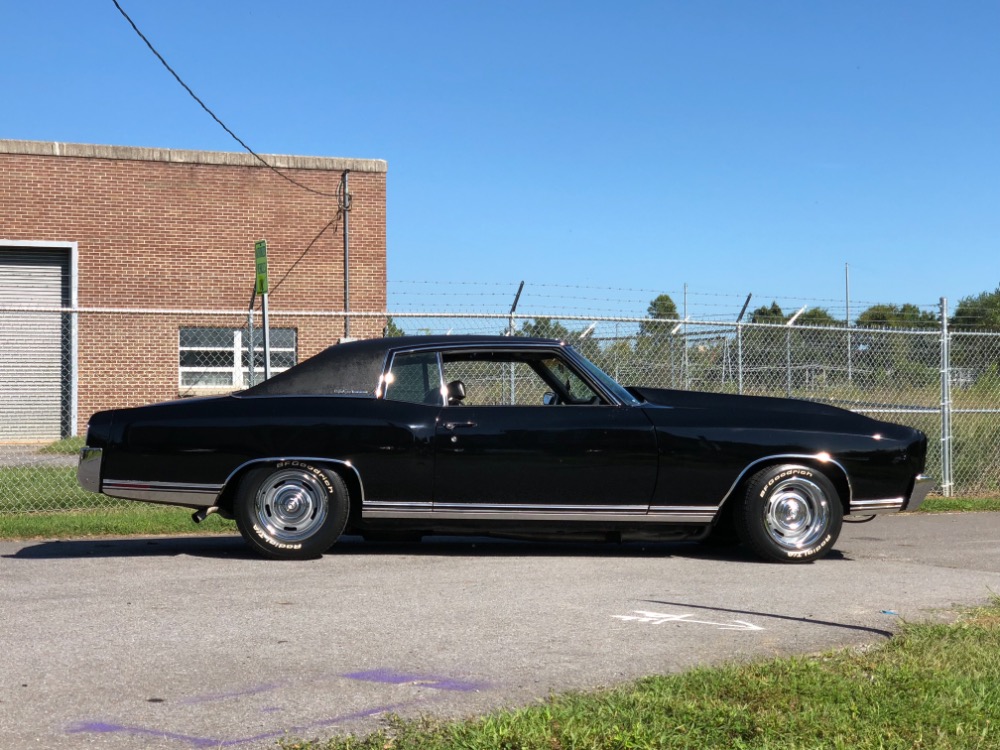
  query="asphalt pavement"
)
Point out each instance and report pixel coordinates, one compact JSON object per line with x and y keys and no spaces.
{"x":188,"y":642}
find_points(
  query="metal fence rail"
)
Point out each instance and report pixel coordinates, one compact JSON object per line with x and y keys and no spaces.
{"x":944,"y":382}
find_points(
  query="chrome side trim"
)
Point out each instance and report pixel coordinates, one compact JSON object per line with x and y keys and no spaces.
{"x":167,"y":493}
{"x":872,"y":507}
{"x":537,"y":512}
{"x":400,"y":505}
{"x":684,"y":513}
{"x":88,"y":471}
{"x":632,"y":510}
{"x":822,"y":458}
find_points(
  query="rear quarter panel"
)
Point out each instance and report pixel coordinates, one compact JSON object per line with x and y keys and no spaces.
{"x":205,"y":441}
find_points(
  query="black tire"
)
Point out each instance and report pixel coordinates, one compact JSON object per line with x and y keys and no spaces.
{"x":291,"y":510}
{"x":791,"y":514}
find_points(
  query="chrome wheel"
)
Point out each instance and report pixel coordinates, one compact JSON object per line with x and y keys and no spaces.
{"x":797,"y":513}
{"x":791,"y":513}
{"x":291,"y":505}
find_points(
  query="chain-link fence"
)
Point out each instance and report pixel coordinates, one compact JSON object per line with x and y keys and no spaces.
{"x":58,"y":366}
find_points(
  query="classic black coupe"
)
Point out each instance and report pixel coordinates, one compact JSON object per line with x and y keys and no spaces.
{"x":402,"y":437}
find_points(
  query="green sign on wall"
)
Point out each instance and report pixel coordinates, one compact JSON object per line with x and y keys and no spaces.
{"x":260,"y":257}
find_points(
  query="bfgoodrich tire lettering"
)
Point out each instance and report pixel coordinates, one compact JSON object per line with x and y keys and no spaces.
{"x":791,"y":513}
{"x":291,"y":510}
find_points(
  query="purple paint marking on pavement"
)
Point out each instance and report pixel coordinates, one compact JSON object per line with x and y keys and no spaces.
{"x":391,"y":677}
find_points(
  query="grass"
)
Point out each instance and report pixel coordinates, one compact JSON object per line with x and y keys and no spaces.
{"x":130,"y":520}
{"x":932,"y":686}
{"x":66,"y":447}
{"x":42,"y":488}
{"x":955,"y":504}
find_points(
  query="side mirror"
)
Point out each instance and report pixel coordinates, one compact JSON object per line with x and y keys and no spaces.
{"x":550,"y":399}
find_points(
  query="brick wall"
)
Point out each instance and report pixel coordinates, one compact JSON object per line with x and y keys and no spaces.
{"x":175,"y":229}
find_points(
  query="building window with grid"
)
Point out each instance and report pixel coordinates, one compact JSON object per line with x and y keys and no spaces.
{"x":219,"y":358}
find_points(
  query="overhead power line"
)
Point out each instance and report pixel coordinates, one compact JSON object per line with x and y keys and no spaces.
{"x":205,"y":107}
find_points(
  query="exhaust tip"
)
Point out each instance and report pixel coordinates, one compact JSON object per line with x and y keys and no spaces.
{"x":202,"y":513}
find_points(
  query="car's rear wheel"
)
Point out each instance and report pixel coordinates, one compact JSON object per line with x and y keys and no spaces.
{"x":791,"y":513}
{"x":292,"y":510}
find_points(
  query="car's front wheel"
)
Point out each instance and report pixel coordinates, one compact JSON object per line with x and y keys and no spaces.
{"x":292,"y":510}
{"x":791,"y":513}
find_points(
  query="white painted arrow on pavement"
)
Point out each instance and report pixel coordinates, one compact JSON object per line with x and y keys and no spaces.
{"x":658,"y":618}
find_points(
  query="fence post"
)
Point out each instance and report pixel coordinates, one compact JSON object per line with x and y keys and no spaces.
{"x":739,"y":358}
{"x":946,"y":435}
{"x":788,"y":362}
{"x":684,"y":361}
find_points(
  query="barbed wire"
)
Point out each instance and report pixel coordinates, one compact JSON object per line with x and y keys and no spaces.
{"x":581,"y":299}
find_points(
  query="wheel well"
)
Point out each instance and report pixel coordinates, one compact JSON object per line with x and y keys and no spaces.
{"x":227,"y":498}
{"x":832,"y":471}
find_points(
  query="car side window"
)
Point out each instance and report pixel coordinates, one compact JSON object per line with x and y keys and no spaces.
{"x":497,"y":381}
{"x":414,"y":378}
{"x":576,"y":389}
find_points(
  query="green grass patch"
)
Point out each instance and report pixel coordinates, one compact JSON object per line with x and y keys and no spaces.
{"x":130,"y":520}
{"x":955,"y":504}
{"x":25,"y":489}
{"x":932,"y":686}
{"x":66,"y":447}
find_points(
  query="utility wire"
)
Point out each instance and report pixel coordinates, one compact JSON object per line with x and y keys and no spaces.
{"x":194,"y":96}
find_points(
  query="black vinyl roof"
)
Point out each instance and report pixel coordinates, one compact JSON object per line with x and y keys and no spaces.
{"x":353,"y":368}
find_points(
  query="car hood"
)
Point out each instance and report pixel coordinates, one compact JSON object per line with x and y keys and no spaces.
{"x":726,"y":401}
{"x":693,"y":410}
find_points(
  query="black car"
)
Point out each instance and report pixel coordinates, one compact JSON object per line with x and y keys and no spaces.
{"x":401,"y":437}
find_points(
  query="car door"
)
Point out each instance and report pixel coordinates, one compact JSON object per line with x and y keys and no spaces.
{"x":519,"y":442}
{"x":399,"y":473}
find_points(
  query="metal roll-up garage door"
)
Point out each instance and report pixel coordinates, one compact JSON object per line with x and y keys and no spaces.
{"x":34,"y":346}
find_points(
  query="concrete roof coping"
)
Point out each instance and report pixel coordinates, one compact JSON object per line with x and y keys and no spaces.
{"x":180,"y":156}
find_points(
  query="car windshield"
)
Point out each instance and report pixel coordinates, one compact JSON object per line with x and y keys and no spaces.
{"x":605,"y":380}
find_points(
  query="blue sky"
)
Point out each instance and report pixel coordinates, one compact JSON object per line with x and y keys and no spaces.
{"x":735,"y":147}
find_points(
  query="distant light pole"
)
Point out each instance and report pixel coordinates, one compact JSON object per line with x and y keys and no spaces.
{"x":739,"y":344}
{"x":847,"y":320}
{"x":788,"y":349}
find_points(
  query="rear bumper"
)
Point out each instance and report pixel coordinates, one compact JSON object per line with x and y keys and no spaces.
{"x":88,"y":471}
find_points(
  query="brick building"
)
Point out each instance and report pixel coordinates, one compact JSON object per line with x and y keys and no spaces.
{"x":93,"y":234}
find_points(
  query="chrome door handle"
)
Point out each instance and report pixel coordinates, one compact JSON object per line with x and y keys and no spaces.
{"x":456,"y":425}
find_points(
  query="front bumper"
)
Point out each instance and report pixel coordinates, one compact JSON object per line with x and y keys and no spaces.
{"x":921,"y":486}
{"x":88,"y":471}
